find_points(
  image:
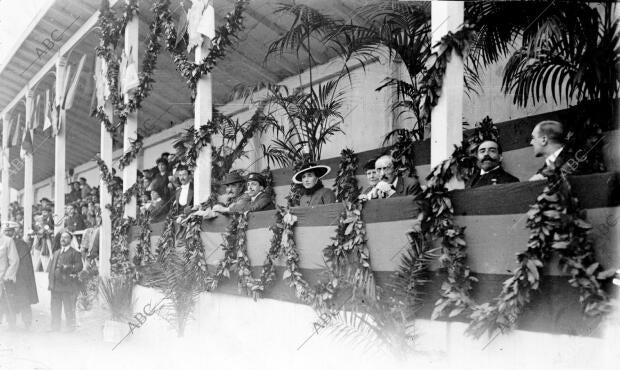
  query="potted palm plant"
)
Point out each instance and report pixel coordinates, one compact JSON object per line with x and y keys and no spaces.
{"x":117,"y":295}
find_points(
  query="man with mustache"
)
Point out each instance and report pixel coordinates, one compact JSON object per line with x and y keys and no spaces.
{"x":256,"y":197}
{"x":235,"y":186}
{"x":489,"y":155}
{"x":393,"y":184}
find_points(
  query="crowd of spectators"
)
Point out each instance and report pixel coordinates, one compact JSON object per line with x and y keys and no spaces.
{"x":167,"y":189}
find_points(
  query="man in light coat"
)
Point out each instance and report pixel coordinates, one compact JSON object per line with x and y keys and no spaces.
{"x":9,"y":263}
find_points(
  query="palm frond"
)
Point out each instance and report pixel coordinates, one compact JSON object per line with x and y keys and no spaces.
{"x":117,"y":293}
{"x":307,"y":23}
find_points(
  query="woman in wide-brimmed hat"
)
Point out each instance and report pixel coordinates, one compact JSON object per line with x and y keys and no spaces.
{"x":314,"y":192}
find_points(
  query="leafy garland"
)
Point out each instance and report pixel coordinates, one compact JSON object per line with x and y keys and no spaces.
{"x":268,"y":273}
{"x":303,"y":292}
{"x":111,"y":29}
{"x":556,"y":224}
{"x":134,"y":151}
{"x":119,"y":260}
{"x":143,"y":255}
{"x":432,"y":81}
{"x":347,"y":256}
{"x":456,"y":289}
{"x":346,"y":182}
{"x":229,"y":244}
{"x":194,"y":251}
{"x":224,"y":39}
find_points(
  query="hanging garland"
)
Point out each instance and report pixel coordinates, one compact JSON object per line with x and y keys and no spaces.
{"x":229,"y":246}
{"x":292,"y":272}
{"x":119,"y":259}
{"x":268,"y":273}
{"x":347,"y":256}
{"x":105,"y":174}
{"x":165,"y":245}
{"x":456,"y":288}
{"x":111,"y":29}
{"x":143,"y":255}
{"x":346,"y":182}
{"x":432,"y":81}
{"x":225,"y":37}
{"x":194,"y":250}
{"x":132,"y":153}
{"x":556,"y":224}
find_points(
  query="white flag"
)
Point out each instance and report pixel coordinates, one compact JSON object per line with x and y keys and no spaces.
{"x":71,"y":92}
{"x":47,"y":114}
{"x":206,"y":26}
{"x":15,"y":139}
{"x":37,"y":113}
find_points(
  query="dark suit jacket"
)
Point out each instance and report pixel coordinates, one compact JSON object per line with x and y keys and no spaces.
{"x":495,"y":176}
{"x":190,"y":197}
{"x":75,"y":222}
{"x":407,"y":186}
{"x":569,"y":163}
{"x":263,"y":202}
{"x":63,"y":271}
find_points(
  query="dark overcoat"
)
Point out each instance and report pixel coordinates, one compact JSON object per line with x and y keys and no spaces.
{"x":63,"y":271}
{"x":25,"y":284}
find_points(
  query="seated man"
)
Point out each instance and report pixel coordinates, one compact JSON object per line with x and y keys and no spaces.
{"x":548,"y":140}
{"x":489,"y":154}
{"x":184,"y":195}
{"x":373,"y":178}
{"x":235,"y":186}
{"x":391,"y":183}
{"x":254,"y":199}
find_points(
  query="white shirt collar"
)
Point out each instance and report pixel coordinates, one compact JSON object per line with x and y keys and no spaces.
{"x":550,"y":160}
{"x":184,"y":194}
{"x":482,"y":172}
{"x":395,"y":182}
{"x":256,"y":196}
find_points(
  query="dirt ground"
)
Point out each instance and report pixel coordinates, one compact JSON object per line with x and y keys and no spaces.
{"x":228,"y":346}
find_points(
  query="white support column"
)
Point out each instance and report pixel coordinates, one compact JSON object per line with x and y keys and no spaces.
{"x":105,"y":198}
{"x":4,"y":204}
{"x":28,"y":169}
{"x":131,"y":126}
{"x":60,"y":147}
{"x":447,"y":115}
{"x":203,"y":112}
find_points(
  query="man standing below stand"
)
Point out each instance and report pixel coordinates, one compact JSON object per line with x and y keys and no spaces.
{"x":489,"y":155}
{"x":25,"y":284}
{"x":63,"y":282}
{"x":9,"y":263}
